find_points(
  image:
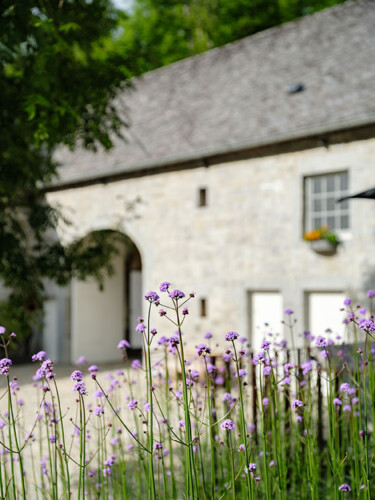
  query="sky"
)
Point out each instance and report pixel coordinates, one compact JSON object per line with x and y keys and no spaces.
{"x":123,"y":4}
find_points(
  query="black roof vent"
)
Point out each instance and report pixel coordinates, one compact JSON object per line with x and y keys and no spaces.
{"x":295,"y":88}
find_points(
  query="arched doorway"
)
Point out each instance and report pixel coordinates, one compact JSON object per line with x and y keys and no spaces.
{"x":102,"y":316}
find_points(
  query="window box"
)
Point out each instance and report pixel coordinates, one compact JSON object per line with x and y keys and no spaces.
{"x":323,"y":241}
{"x":324,"y":247}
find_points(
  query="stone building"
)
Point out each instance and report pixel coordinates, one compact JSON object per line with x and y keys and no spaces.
{"x":231,"y":156}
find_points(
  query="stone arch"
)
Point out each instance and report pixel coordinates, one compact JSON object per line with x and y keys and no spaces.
{"x":100,"y":318}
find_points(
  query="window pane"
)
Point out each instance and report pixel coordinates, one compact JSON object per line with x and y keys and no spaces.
{"x":344,"y":182}
{"x":317,"y":205}
{"x":331,"y":222}
{"x":331,"y":183}
{"x":344,"y":204}
{"x":331,"y":204}
{"x":317,"y":185}
{"x":344,"y":222}
{"x":317,"y":222}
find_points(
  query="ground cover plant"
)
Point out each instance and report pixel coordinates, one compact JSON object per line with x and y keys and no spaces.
{"x":222,"y":422}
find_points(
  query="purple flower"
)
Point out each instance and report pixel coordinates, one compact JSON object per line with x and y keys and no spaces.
{"x":345,"y":487}
{"x":296,"y":403}
{"x":39,"y":356}
{"x":158,"y":446}
{"x":321,"y":342}
{"x":267,"y":370}
{"x":98,"y":411}
{"x":162,"y":312}
{"x":110,"y":462}
{"x":241,"y":447}
{"x":307,"y":366}
{"x":228,"y":425}
{"x":288,"y":367}
{"x":123,"y":344}
{"x":147,"y":406}
{"x":174,"y":341}
{"x":132,"y":405}
{"x":288,"y":312}
{"x":203,"y":350}
{"x":98,"y":394}
{"x":45,"y":371}
{"x":185,"y":311}
{"x":152,"y":296}
{"x":242,"y":372}
{"x":230,"y":336}
{"x":258,"y":358}
{"x":76,"y":375}
{"x":81,"y":361}
{"x":345,"y":387}
{"x":208,"y":335}
{"x":164,"y":286}
{"x":5,"y":365}
{"x":140,"y":328}
{"x":252,"y":467}
{"x":2,"y":330}
{"x":366,"y":324}
{"x":337,"y":401}
{"x":80,"y":388}
{"x":227,"y":356}
{"x":52,"y":438}
{"x":136,"y":364}
{"x":227,"y":396}
{"x":177,"y":294}
{"x":347,"y":408}
{"x":93,"y":368}
{"x":370,"y":294}
{"x":266,"y":401}
{"x":347,"y":302}
{"x":265,"y":345}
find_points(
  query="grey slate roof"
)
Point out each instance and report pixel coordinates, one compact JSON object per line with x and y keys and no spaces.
{"x":236,"y":95}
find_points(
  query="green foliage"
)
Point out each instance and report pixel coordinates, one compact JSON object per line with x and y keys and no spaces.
{"x":161,"y":32}
{"x":58,"y":79}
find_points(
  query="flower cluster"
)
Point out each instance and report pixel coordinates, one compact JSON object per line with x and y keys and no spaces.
{"x":228,"y":425}
{"x":5,"y":365}
{"x":203,"y":350}
{"x":80,"y":388}
{"x":152,"y":297}
{"x":230,"y":336}
{"x":45,"y":371}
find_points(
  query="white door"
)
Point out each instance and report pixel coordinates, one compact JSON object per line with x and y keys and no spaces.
{"x":135,"y":307}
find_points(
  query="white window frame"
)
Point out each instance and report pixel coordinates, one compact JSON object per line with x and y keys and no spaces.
{"x":340,"y":209}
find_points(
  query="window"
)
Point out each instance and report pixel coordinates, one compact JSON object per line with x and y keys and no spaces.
{"x":324,"y":312}
{"x":266,"y":314}
{"x":202,"y":198}
{"x":321,"y":207}
{"x":203,"y":303}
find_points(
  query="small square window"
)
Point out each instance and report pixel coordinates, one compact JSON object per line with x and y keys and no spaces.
{"x":321,"y":206}
{"x":202,"y":197}
{"x":203,"y":303}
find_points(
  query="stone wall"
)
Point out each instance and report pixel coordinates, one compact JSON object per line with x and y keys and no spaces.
{"x":248,"y":237}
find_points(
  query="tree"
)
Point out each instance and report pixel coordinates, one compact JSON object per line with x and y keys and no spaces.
{"x":160,"y":32}
{"x":58,"y":80}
